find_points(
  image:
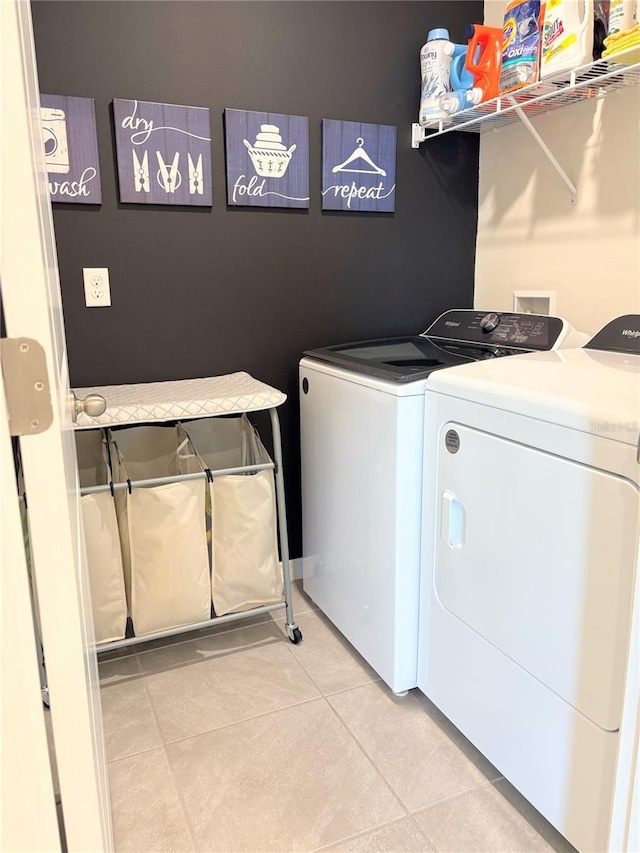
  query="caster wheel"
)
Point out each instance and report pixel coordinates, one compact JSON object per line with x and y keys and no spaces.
{"x":296,"y":636}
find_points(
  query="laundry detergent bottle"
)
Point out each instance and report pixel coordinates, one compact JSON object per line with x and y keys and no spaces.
{"x":460,"y":99}
{"x":460,"y":77}
{"x":462,"y":94}
{"x":435,"y":75}
{"x":622,"y":16}
{"x":567,"y":36}
{"x":520,"y":45}
{"x":484,"y":58}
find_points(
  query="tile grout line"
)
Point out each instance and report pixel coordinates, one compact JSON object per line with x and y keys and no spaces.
{"x":425,"y":834}
{"x":369,"y":758}
{"x":366,"y":832}
{"x":322,"y":693}
{"x":134,"y":754}
{"x":413,"y":815}
{"x":456,"y":796}
{"x":165,"y":743}
{"x":379,"y":772}
{"x":238,"y":722}
{"x":316,"y":685}
{"x":320,"y":697}
{"x":406,"y":808}
{"x":342,"y":690}
{"x":170,"y":765}
{"x":145,"y":675}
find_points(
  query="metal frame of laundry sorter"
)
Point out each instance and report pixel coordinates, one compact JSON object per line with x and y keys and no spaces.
{"x":293,"y":632}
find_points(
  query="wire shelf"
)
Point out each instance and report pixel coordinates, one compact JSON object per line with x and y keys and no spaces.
{"x":588,"y":82}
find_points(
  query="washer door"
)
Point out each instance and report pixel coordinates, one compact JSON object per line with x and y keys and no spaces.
{"x":536,"y":554}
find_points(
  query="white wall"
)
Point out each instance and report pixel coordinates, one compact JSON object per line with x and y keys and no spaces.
{"x":531,"y":238}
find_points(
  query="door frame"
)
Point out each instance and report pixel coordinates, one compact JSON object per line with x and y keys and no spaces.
{"x":33,"y":309}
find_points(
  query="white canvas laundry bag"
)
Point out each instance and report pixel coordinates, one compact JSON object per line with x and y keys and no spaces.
{"x":104,"y":556}
{"x":245,"y":571}
{"x":162,"y":530}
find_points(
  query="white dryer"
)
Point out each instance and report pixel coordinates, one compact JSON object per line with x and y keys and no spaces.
{"x":362,"y":435}
{"x":530,"y":534}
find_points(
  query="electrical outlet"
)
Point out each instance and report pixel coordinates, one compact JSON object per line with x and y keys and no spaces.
{"x":96,"y":287}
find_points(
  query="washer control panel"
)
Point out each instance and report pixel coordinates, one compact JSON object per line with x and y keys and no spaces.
{"x":490,"y":322}
{"x":525,"y":332}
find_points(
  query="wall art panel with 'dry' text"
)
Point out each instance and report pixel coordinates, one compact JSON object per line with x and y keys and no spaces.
{"x":164,"y":153}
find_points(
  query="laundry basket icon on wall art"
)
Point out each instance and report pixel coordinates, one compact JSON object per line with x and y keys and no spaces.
{"x":267,"y":159}
{"x":358,"y":166}
{"x":269,"y":156}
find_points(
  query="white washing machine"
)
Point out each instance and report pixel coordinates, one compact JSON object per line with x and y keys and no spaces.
{"x":362,"y":435}
{"x":529,"y":552}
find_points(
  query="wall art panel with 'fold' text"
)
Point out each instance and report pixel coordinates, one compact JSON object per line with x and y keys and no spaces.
{"x":267,"y":159}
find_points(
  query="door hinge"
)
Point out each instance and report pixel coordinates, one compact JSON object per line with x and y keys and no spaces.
{"x":26,"y":386}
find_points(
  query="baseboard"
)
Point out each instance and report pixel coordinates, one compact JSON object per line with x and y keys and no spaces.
{"x":296,"y":568}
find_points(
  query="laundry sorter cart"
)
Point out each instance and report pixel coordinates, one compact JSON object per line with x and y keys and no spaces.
{"x":240,"y":501}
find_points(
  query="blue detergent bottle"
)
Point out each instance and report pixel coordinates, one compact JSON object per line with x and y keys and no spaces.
{"x":461,"y":79}
{"x":462,"y":94}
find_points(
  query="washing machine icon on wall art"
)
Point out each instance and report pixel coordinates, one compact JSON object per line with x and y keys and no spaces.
{"x":54,"y":137}
{"x":70,"y":142}
{"x":267,"y":159}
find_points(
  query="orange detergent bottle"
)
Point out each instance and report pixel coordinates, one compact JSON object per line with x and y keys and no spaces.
{"x":484,"y":58}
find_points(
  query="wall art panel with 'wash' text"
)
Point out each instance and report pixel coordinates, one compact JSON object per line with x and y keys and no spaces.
{"x":71,"y":148}
{"x":267,"y":159}
{"x":164,"y":153}
{"x":358,"y":166}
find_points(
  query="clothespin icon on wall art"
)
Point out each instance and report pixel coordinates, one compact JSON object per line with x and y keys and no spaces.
{"x":141,"y":173}
{"x":196,"y":184}
{"x":169,"y":177}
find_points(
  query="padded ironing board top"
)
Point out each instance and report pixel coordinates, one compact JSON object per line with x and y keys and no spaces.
{"x":187,"y":398}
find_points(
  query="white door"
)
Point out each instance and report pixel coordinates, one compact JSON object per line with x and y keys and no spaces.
{"x":32,"y":309}
{"x":26,"y":782}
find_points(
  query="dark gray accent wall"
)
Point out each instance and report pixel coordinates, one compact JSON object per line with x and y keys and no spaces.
{"x":200,"y":292}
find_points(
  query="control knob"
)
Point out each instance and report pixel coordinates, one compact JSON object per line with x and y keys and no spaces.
{"x":490,"y":322}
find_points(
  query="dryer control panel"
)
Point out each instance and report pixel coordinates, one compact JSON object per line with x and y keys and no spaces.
{"x":620,"y":335}
{"x":526,"y":332}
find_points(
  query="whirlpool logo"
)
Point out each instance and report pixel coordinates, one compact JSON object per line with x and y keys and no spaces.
{"x":631,"y":333}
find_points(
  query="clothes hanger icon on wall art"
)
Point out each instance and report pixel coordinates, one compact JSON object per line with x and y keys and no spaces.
{"x":269,"y":156}
{"x":360,"y":154}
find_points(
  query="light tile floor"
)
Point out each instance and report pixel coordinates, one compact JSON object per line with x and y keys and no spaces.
{"x":237,"y":740}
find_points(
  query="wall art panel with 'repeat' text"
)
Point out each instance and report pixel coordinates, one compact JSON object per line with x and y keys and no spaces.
{"x":358,"y":166}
